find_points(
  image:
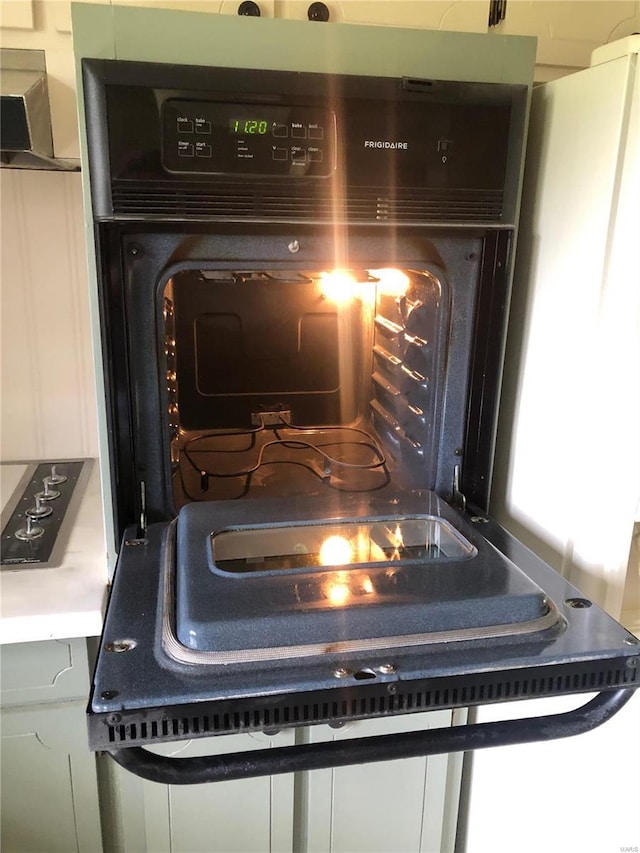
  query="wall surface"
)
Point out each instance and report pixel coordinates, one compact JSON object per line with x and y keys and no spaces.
{"x":48,"y":396}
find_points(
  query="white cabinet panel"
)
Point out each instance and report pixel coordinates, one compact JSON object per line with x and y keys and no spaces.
{"x":49,"y":797}
{"x":43,"y":672}
{"x":388,"y":806}
{"x":573,"y":356}
{"x":48,"y":385}
{"x":49,"y":790}
{"x":243,"y":816}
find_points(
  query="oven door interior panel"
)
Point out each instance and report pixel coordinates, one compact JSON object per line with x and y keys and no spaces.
{"x":504,"y":631}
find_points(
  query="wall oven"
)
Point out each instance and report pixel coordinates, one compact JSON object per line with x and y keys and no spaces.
{"x":304,"y":282}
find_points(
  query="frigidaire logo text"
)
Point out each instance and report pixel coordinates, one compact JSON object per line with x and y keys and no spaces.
{"x":380,"y":143}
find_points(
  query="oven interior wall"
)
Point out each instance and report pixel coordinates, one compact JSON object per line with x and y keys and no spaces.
{"x":225,"y":342}
{"x":281,"y":382}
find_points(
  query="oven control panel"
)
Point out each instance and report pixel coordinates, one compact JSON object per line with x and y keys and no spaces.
{"x":252,"y":139}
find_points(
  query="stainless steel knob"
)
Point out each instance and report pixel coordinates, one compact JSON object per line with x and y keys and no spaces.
{"x":48,"y":494}
{"x":30,"y":531}
{"x":55,"y":478}
{"x":40,"y":510}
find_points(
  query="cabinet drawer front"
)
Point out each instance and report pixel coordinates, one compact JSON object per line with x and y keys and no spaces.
{"x":48,"y":671}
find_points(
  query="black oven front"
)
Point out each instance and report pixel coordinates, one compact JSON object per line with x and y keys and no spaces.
{"x":304,"y":283}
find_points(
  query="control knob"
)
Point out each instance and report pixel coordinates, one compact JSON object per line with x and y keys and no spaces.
{"x":39,"y":510}
{"x":55,"y":478}
{"x":30,"y":531}
{"x":48,"y":494}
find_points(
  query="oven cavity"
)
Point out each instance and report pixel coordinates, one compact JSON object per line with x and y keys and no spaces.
{"x":283,"y":382}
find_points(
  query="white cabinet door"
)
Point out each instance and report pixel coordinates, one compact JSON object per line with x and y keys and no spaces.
{"x":49,"y":794}
{"x":244,"y":816}
{"x":405,"y":805}
{"x":49,"y":789}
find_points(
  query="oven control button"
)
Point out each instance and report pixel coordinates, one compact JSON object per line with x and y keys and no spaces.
{"x":281,"y":130}
{"x":298,"y":130}
{"x":203,"y":126}
{"x":444,"y":149}
{"x":185,"y":125}
{"x":315,"y":155}
{"x":280,"y":154}
{"x":203,"y":149}
{"x":298,"y":155}
{"x":316,"y":131}
{"x":185,"y":149}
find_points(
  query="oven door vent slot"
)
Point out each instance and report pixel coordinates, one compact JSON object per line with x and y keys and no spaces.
{"x":187,"y":200}
{"x":143,"y":727}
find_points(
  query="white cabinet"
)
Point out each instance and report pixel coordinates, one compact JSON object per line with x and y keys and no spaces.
{"x":224,"y":817}
{"x":568,"y":30}
{"x":405,"y":805}
{"x":49,"y":791}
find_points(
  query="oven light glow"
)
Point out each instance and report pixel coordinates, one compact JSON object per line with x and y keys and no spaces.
{"x":338,"y":593}
{"x":348,"y":587}
{"x":367,"y":585}
{"x":392,"y":282}
{"x":339,"y":286}
{"x":335,"y":551}
{"x":396,"y":541}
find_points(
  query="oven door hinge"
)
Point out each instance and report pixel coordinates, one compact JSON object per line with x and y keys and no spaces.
{"x":142,"y":522}
{"x":457,"y":497}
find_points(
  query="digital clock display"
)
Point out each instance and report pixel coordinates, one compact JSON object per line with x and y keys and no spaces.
{"x":220,"y":138}
{"x":253,"y":126}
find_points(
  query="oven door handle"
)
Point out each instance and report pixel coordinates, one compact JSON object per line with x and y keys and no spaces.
{"x":317,"y":756}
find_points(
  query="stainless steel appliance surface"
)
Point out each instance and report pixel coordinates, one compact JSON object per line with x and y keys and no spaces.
{"x":38,"y":510}
{"x":304,"y":283}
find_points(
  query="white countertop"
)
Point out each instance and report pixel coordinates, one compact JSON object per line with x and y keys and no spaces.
{"x":56,"y":603}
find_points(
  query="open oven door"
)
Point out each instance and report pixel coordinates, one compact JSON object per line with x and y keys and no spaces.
{"x":490,"y":622}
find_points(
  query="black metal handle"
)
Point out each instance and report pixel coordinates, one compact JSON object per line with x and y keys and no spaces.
{"x":290,"y":759}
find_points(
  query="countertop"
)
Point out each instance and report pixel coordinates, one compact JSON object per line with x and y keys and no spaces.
{"x":63,"y":602}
